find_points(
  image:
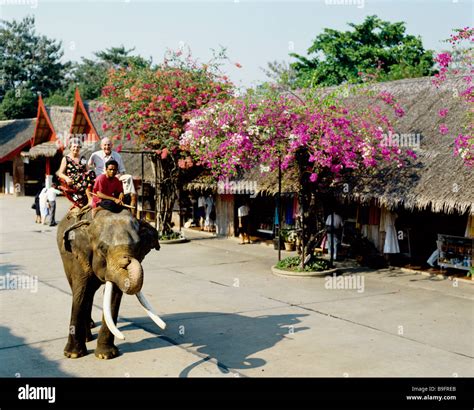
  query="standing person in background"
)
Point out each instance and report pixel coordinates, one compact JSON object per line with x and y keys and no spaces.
{"x":201,"y":210}
{"x":43,"y":204}
{"x":210,"y":213}
{"x":334,"y":229}
{"x":51,"y":197}
{"x":37,"y":206}
{"x":243,"y":213}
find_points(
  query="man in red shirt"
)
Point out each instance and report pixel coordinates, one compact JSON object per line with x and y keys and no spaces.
{"x":108,"y":189}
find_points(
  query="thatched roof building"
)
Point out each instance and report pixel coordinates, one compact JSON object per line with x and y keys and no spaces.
{"x":436,"y":181}
{"x":15,"y":135}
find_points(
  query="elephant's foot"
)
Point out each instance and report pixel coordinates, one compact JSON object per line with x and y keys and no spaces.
{"x":72,"y":351}
{"x":106,"y":351}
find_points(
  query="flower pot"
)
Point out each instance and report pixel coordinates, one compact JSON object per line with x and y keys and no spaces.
{"x":290,"y":246}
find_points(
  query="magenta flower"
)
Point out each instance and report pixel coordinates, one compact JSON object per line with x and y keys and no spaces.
{"x":443,"y":129}
{"x":443,"y":112}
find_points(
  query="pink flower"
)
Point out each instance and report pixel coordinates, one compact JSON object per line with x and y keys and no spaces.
{"x":164,"y":153}
{"x":313,"y":177}
{"x":443,"y":129}
{"x":119,"y":148}
{"x":443,"y":112}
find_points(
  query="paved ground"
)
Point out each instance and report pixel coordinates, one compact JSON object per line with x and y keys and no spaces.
{"x":228,"y":316}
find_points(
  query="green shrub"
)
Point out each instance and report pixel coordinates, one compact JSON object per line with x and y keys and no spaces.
{"x":293,"y":263}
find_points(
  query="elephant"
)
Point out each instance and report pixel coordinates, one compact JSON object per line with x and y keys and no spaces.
{"x":107,"y":248}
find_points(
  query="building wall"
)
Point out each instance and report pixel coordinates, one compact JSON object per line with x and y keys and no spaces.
{"x":225,"y":215}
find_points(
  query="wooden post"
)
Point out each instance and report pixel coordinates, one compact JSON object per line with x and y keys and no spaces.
{"x":18,"y":176}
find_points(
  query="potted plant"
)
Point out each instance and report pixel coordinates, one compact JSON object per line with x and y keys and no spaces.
{"x":289,"y":238}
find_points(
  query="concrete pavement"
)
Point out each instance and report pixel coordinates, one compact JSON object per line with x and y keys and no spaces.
{"x":228,"y":316}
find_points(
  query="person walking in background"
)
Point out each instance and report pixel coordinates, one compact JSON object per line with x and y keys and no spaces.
{"x":243,"y":213}
{"x":37,"y":206}
{"x":210,"y":214}
{"x":51,"y":193}
{"x":201,"y":210}
{"x":43,"y":204}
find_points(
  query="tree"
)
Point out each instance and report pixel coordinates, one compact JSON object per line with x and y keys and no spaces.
{"x":322,"y":137}
{"x":18,"y":103}
{"x":28,"y":61}
{"x":90,"y":75}
{"x":376,"y":48}
{"x":460,"y":62}
{"x":149,"y":107}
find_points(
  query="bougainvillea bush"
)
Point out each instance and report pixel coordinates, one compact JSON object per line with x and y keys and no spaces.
{"x":148,"y":107}
{"x":460,"y":62}
{"x":322,"y":136}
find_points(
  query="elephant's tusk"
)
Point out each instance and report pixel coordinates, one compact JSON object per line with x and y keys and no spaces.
{"x":107,"y":311}
{"x":149,"y":310}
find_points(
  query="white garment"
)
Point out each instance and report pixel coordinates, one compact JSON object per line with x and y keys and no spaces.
{"x":244,"y":210}
{"x":98,"y":160}
{"x":209,"y":204}
{"x":43,"y":198}
{"x":127,"y":184}
{"x":201,"y":202}
{"x":337,"y":221}
{"x":51,"y":194}
{"x":391,"y":239}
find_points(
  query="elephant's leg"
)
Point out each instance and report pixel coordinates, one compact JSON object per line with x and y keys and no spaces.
{"x":94,"y":285}
{"x":81,"y":293}
{"x":105,"y":343}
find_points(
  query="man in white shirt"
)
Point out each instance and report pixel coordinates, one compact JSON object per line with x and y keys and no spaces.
{"x":334,"y":224}
{"x":98,"y":160}
{"x":51,"y":198}
{"x":243,"y":214}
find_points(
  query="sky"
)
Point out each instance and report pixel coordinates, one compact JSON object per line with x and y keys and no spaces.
{"x":254,"y":32}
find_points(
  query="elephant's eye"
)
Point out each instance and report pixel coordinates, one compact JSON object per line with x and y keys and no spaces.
{"x":102,"y":248}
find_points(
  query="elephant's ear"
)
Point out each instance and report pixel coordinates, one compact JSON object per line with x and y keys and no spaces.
{"x":72,"y":232}
{"x":148,"y":238}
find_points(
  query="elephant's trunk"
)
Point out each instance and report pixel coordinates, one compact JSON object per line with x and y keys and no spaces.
{"x":128,"y":275}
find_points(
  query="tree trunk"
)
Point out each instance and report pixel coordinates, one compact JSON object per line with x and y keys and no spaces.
{"x":312,"y":209}
{"x":166,"y":193}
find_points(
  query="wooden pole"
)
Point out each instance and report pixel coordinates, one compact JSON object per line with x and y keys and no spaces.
{"x":279,"y":209}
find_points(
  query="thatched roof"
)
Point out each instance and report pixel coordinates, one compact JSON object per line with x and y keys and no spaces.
{"x":61,"y":118}
{"x":46,"y":149}
{"x":436,"y":180}
{"x":14,"y":136}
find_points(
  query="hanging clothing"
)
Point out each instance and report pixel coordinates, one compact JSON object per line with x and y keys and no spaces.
{"x":374,"y":215}
{"x":391,"y":239}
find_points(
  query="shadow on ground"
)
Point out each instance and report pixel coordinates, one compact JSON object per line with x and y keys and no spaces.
{"x":232,"y":341}
{"x":21,"y":360}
